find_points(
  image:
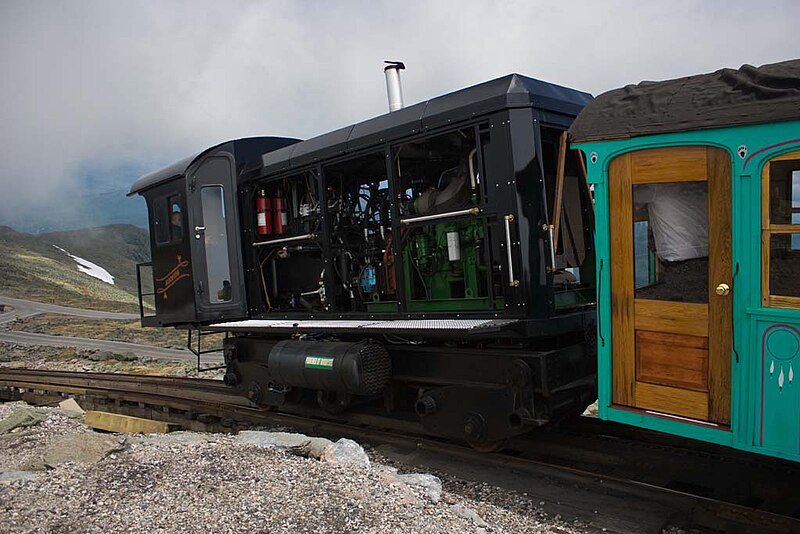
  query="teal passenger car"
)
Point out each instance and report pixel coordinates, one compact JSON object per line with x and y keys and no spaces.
{"x":697,"y":191}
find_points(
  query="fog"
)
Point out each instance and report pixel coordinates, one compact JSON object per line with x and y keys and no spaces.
{"x":89,"y":88}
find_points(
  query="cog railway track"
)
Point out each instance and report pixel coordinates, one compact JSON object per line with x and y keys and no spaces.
{"x":613,"y":477}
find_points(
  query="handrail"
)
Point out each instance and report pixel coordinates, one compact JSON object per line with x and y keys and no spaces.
{"x":511,"y":280}
{"x":280,"y":240}
{"x":435,"y":216}
{"x":139,"y":292}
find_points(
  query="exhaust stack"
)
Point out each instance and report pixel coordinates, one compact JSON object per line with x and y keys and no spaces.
{"x":393,"y":88}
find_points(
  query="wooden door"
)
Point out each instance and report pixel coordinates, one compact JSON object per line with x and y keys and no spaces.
{"x":671,"y":281}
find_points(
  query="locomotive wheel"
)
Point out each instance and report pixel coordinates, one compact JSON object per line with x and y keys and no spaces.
{"x":488,"y":446}
{"x":333,"y":403}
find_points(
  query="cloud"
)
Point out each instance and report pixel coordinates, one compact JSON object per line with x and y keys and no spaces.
{"x":104,"y":85}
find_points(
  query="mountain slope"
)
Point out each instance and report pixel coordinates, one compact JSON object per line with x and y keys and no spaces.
{"x":117,"y":248}
{"x":32,"y":268}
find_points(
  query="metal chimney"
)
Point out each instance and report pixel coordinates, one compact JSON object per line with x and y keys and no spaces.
{"x":393,"y":88}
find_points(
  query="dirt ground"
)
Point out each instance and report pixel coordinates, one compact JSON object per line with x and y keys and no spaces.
{"x":95,"y":361}
{"x":111,"y":330}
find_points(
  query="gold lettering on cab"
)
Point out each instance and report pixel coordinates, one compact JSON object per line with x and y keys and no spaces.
{"x":172,"y":277}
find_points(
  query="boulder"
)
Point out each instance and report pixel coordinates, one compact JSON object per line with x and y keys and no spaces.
{"x":25,"y":416}
{"x":125,"y":357}
{"x":99,"y":355}
{"x":71,"y":408}
{"x":181,"y":438}
{"x":81,"y":448}
{"x":469,"y":514}
{"x":430,"y":485}
{"x":295,"y":443}
{"x":345,"y":452}
{"x":388,"y":476}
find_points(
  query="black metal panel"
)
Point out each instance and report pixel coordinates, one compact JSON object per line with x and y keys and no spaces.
{"x":378,"y":130}
{"x":557,"y":120}
{"x":549,"y":96}
{"x":248,"y":151}
{"x":329,"y":144}
{"x":508,"y":92}
{"x":501,"y":201}
{"x":173,"y":273}
{"x":237,"y":306}
{"x":531,"y":208}
{"x":471,"y":102}
{"x":278,"y":160}
{"x":154,"y":178}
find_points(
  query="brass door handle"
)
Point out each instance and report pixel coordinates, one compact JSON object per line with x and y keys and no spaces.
{"x":723,"y":290}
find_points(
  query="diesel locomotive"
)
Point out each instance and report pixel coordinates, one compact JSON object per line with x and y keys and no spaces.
{"x":433,"y":264}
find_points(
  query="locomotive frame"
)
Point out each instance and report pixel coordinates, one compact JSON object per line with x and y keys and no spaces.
{"x":405,"y":264}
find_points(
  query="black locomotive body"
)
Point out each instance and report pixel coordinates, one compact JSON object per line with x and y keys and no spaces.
{"x":406,"y":265}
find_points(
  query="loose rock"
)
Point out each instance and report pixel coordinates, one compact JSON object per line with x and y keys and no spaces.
{"x":71,"y":408}
{"x":7,"y":477}
{"x":298,"y":444}
{"x":22,"y":417}
{"x":85,"y":448}
{"x":430,"y":484}
{"x":346,"y":452}
{"x":191,"y":481}
{"x":470,"y":514}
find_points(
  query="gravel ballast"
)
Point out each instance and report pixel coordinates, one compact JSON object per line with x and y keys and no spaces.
{"x":222,"y":483}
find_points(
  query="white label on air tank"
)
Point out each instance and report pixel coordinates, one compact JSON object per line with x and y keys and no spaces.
{"x":319,"y":362}
{"x":262,"y":219}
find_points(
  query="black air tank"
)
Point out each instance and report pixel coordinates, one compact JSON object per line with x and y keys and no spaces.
{"x":362,"y":368}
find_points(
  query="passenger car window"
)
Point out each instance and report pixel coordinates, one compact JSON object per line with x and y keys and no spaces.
{"x":780,"y":255}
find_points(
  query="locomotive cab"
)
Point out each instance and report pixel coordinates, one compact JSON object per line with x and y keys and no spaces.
{"x":195,"y":273}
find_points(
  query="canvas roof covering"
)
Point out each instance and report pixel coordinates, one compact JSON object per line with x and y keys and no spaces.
{"x":725,"y":98}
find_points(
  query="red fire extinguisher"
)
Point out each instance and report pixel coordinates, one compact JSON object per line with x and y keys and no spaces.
{"x":263,"y":213}
{"x":280,"y":217}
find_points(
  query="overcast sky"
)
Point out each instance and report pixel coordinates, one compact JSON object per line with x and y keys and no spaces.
{"x":111,"y":84}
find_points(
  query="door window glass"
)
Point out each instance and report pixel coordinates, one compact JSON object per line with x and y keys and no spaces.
{"x":215,"y":239}
{"x":670,"y":231}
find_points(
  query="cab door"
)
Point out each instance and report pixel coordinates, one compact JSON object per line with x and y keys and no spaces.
{"x":216,"y":250}
{"x":671,"y":282}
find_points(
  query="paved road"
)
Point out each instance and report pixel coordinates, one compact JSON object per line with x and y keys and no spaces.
{"x":29,"y":338}
{"x":27,"y":308}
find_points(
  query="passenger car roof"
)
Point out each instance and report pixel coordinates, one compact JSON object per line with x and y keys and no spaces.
{"x":724,"y":98}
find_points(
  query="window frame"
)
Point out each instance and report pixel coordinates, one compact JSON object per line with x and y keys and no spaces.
{"x":161,"y":221}
{"x":162,"y":217}
{"x":768,"y":230}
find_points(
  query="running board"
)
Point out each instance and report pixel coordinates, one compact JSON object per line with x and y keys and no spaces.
{"x":405,"y":326}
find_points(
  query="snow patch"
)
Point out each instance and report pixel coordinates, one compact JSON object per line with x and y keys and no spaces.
{"x":92,"y":269}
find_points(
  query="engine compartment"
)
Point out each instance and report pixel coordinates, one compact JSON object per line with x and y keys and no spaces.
{"x":348,"y":237}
